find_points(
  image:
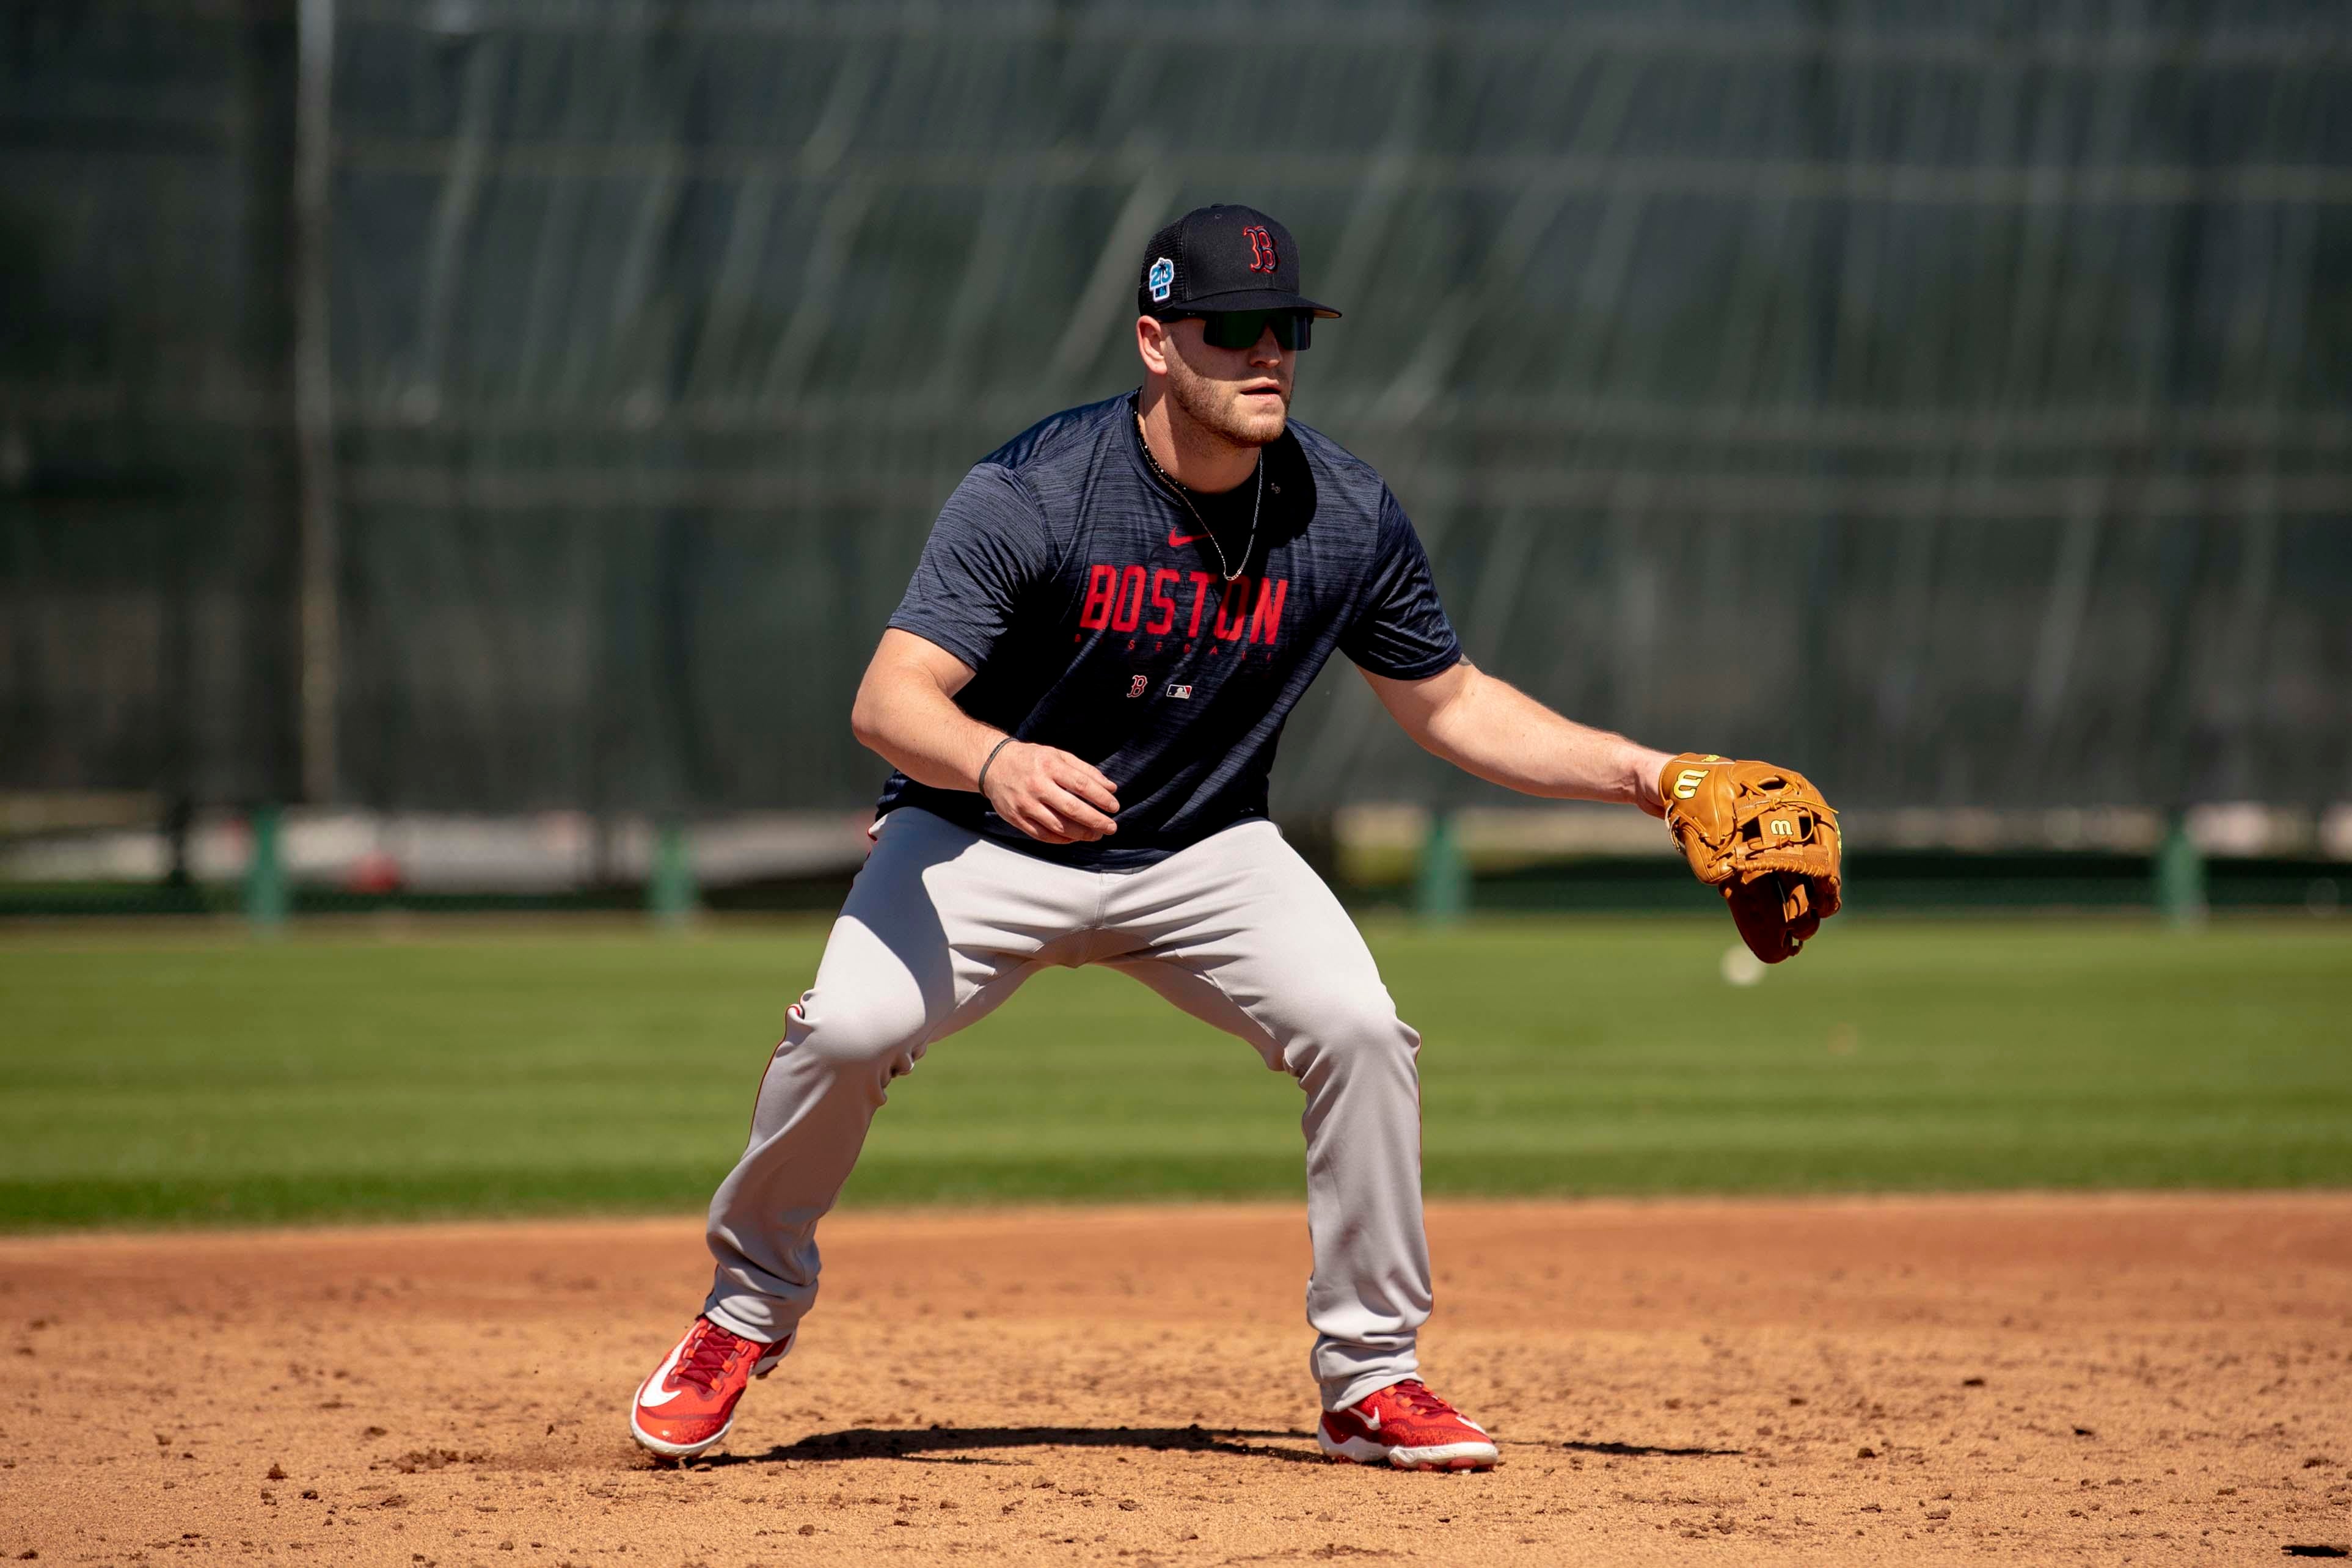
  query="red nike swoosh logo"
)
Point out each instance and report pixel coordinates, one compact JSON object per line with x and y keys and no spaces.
{"x":1176,"y":541}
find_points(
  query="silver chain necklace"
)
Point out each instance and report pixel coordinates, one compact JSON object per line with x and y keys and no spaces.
{"x":1203,"y":523}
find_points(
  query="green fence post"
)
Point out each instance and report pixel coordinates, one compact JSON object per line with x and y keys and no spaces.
{"x":2180,"y":876}
{"x":671,"y":893}
{"x":1442,"y":894}
{"x":265,"y":873}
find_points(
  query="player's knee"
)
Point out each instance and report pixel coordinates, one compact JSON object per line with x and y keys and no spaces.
{"x":870,"y":1036}
{"x":1342,"y":1031}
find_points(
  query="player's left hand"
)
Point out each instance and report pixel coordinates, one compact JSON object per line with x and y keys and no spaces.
{"x":1765,"y":838}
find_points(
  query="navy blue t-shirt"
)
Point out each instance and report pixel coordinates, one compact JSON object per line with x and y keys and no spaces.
{"x":1093,"y":612}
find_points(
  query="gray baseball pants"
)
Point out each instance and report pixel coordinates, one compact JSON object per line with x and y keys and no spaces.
{"x":943,"y":925}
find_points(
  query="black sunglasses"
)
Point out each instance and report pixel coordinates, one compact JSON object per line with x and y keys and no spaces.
{"x":1293,"y":329}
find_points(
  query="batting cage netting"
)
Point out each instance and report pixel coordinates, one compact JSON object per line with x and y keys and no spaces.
{"x":504,"y":404}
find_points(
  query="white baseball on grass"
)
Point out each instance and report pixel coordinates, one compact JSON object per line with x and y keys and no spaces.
{"x":1741,"y":967}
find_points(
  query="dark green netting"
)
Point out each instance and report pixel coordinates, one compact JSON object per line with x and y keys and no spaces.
{"x":1952,"y":399}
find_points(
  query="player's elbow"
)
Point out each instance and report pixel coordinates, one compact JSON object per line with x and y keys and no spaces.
{"x":866,"y":714}
{"x":871,"y":710}
{"x":910,"y":686}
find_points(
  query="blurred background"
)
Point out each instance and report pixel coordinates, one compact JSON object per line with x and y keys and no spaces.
{"x":460,"y":453}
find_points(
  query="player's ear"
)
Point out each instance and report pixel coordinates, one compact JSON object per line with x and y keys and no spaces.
{"x":1151,"y":343}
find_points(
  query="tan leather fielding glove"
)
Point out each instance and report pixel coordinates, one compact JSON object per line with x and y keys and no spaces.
{"x":1765,"y":838}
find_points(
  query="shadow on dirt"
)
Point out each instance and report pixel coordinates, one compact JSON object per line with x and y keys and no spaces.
{"x":962,"y":1444}
{"x":971,"y":1445}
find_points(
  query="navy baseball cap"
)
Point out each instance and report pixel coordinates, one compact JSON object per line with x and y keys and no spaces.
{"x":1221,"y":259}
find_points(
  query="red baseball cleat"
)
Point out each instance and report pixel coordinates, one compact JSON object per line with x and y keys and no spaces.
{"x":1406,"y":1426}
{"x":689,"y":1404}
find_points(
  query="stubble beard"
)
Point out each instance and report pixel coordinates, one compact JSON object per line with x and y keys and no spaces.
{"x":1219,"y":412}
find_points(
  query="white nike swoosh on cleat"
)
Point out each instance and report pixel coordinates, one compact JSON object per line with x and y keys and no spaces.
{"x":1372,"y":1421}
{"x":646,"y":1397}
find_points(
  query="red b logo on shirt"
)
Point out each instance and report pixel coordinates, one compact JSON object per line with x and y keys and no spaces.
{"x":1262,"y":255}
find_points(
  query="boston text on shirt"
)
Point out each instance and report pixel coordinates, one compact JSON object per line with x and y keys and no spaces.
{"x":1155,"y":599}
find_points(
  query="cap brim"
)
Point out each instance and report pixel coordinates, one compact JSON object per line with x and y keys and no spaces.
{"x":1250,"y":299}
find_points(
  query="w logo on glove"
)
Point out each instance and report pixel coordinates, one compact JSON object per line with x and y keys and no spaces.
{"x":1765,"y":838}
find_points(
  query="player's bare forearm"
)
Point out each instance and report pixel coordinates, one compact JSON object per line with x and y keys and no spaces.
{"x":905,"y":712}
{"x":1488,"y":728}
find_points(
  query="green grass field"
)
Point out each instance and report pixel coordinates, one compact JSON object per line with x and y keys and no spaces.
{"x":174,"y":1078}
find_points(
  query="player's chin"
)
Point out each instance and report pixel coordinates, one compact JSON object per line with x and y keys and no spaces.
{"x":1261,"y":417}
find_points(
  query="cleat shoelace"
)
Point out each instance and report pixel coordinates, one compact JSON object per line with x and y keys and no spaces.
{"x":708,"y":1358}
{"x":1418,"y":1403}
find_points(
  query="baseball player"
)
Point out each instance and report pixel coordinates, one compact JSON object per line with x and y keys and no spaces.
{"x":1081,"y":694}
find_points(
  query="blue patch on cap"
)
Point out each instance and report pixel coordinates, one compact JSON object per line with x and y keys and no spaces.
{"x":1162,"y":280}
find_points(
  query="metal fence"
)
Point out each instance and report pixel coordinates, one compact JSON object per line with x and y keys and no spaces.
{"x":1951,"y":400}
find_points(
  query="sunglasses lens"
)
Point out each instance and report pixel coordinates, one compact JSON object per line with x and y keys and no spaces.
{"x":1242,"y":329}
{"x":1234,"y":329}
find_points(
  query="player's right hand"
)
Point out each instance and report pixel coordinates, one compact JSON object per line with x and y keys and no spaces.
{"x":1052,"y":796}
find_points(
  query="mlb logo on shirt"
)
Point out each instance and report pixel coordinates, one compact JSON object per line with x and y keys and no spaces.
{"x":1182,"y":693}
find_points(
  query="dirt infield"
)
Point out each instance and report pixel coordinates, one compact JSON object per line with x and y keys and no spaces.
{"x":2027,"y":1379}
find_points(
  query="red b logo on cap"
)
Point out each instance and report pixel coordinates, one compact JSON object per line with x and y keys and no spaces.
{"x":1262,"y":255}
